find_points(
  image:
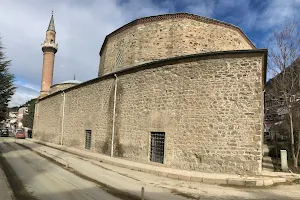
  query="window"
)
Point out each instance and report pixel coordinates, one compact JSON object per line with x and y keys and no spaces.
{"x":120,"y":51}
{"x":157,"y":148}
{"x":88,"y":139}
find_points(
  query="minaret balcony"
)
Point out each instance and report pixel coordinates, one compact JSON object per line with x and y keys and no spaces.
{"x":48,"y":44}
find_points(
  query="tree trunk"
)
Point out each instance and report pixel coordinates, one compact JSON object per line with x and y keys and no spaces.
{"x":297,"y":151}
{"x":292,"y":140}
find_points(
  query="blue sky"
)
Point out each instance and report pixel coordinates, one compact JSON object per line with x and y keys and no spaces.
{"x":82,"y":25}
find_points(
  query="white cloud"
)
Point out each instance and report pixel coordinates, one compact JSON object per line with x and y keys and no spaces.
{"x":81,"y":27}
{"x":203,"y":8}
{"x":278,"y":12}
{"x":24,"y":92}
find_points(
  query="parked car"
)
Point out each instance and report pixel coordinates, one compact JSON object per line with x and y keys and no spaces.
{"x":4,"y":133}
{"x":20,"y":133}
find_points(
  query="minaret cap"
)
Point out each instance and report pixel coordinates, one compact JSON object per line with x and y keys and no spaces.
{"x":51,"y":26}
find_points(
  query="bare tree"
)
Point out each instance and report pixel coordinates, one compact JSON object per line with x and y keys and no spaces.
{"x":284,"y":67}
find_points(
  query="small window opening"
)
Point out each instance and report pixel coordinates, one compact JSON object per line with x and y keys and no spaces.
{"x":51,"y":41}
{"x":157,"y":148}
{"x":88,"y":139}
{"x":120,"y":52}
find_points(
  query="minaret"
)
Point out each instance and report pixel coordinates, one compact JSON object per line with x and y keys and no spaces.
{"x":49,"y":48}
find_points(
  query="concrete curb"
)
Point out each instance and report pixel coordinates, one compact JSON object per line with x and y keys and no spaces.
{"x":230,"y":180}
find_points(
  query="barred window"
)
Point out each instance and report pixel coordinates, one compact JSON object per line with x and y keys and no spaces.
{"x":157,"y":148}
{"x":120,"y":52}
{"x":88,"y":139}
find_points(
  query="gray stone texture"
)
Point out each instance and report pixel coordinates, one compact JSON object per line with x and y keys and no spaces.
{"x":160,"y":39}
{"x":210,"y":109}
{"x":48,"y":118}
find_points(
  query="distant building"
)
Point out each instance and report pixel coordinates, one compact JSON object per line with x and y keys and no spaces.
{"x":275,"y":107}
{"x":22,"y":111}
{"x":12,"y":121}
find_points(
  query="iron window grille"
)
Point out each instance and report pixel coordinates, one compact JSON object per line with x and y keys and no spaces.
{"x":120,"y":52}
{"x":157,"y":147}
{"x":88,"y":139}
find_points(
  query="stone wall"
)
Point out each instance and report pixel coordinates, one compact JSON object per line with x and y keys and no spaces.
{"x":210,"y":108}
{"x":48,"y":118}
{"x":159,"y":39}
{"x":89,"y":108}
{"x":210,"y":111}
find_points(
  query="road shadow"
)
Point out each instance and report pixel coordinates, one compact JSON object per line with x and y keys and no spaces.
{"x":19,"y":186}
{"x":7,"y":140}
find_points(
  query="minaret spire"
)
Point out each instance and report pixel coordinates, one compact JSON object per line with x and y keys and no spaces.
{"x":51,"y":26}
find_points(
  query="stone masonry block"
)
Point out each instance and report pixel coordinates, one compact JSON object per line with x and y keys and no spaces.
{"x":171,"y":175}
{"x":259,"y":183}
{"x":209,"y":180}
{"x":221,"y":181}
{"x":279,"y":180}
{"x":184,"y":177}
{"x":250,"y":183}
{"x":196,"y":179}
{"x":268,"y":182}
{"x":236,"y":182}
{"x":164,"y":174}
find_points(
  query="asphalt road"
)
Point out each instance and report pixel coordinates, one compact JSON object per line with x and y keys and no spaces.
{"x":48,"y":173}
{"x":34,"y":177}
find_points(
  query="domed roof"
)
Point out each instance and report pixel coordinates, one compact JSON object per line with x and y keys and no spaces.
{"x":72,"y":81}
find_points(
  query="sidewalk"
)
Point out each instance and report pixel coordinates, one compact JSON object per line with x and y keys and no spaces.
{"x":266,"y":179}
{"x":5,"y":191}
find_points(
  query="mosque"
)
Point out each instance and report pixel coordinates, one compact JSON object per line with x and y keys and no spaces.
{"x":175,"y":90}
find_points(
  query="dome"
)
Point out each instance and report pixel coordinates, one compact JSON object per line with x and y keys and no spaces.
{"x":166,"y":36}
{"x":72,"y":81}
{"x":64,"y":85}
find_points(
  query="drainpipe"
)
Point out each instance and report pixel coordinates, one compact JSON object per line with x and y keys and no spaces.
{"x":63,"y":118}
{"x":114,"y":118}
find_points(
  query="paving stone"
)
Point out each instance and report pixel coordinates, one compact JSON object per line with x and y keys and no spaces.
{"x":279,"y":180}
{"x":268,"y":182}
{"x":145,"y":170}
{"x":196,"y":179}
{"x":250,"y":183}
{"x":209,"y":180}
{"x":164,"y":174}
{"x":259,"y":183}
{"x":175,"y":176}
{"x":184,"y":177}
{"x":236,"y":182}
{"x":221,"y":181}
{"x":154,"y":172}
